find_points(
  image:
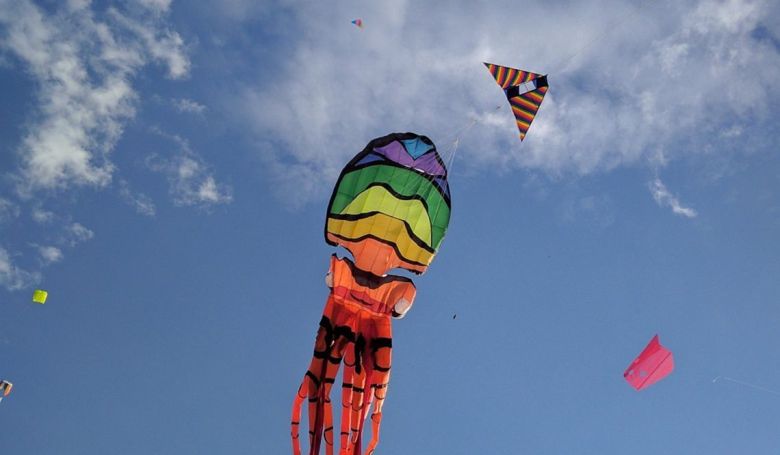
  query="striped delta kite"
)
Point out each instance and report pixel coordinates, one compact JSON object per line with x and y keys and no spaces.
{"x":390,"y":209}
{"x":524,"y":90}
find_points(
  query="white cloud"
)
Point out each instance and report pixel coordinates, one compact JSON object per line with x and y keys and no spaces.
{"x":142,"y":203}
{"x":76,"y":233}
{"x":190,"y":179}
{"x":12,"y":277}
{"x":163,"y":45}
{"x":676,"y":79}
{"x":41,"y":216}
{"x":209,"y":193}
{"x":189,"y":106}
{"x":8,"y":210}
{"x":83,"y":69}
{"x":732,"y":16}
{"x":158,"y":6}
{"x":49,"y":254}
{"x":664,"y":198}
{"x":74,"y":5}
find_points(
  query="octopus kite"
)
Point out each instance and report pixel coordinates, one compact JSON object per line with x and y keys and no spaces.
{"x":390,"y":209}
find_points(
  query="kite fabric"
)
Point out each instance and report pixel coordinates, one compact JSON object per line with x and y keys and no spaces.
{"x":653,"y":364}
{"x":390,"y":208}
{"x":391,"y":205}
{"x":358,"y":22}
{"x":39,"y":296}
{"x":524,"y":91}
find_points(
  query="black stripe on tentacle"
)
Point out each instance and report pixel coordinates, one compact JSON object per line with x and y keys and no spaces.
{"x":314,"y":378}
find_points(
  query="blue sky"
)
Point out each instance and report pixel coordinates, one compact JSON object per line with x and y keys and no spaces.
{"x":164,"y":174}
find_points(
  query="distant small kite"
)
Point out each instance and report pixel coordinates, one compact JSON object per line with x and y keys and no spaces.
{"x":524,"y":91}
{"x":358,"y":22}
{"x":39,"y":296}
{"x":653,"y":364}
{"x":5,"y":389}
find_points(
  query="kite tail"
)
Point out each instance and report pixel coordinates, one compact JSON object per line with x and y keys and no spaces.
{"x":346,"y":401}
{"x":317,"y":399}
{"x":376,"y":416}
{"x":327,"y":408}
{"x":376,"y":421}
{"x":381,"y":350}
{"x":309,"y":388}
{"x":359,"y":374}
{"x":365,"y":405}
{"x":320,"y":415}
{"x":316,"y":387}
{"x":323,"y":422}
{"x":296,"y":420}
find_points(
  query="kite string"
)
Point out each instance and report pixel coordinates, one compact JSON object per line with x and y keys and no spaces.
{"x":449,"y":153}
{"x":448,"y":156}
{"x":746,"y":384}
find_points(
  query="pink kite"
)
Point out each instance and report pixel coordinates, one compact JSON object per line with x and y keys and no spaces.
{"x":358,"y":22}
{"x":652,"y":365}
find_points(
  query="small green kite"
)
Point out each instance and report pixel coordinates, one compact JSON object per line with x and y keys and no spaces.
{"x":39,"y":296}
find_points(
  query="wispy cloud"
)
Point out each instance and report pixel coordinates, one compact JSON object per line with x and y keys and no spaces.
{"x":83,"y":62}
{"x":142,"y":203}
{"x":41,"y":216}
{"x":159,"y":6}
{"x":164,"y":46}
{"x":83,"y":67}
{"x":76,"y":233}
{"x":188,"y":106}
{"x":190,"y":179}
{"x":68,"y":235}
{"x":665,"y":198}
{"x":49,"y":254}
{"x":650,"y":83}
{"x":12,"y":277}
{"x":8,"y":210}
